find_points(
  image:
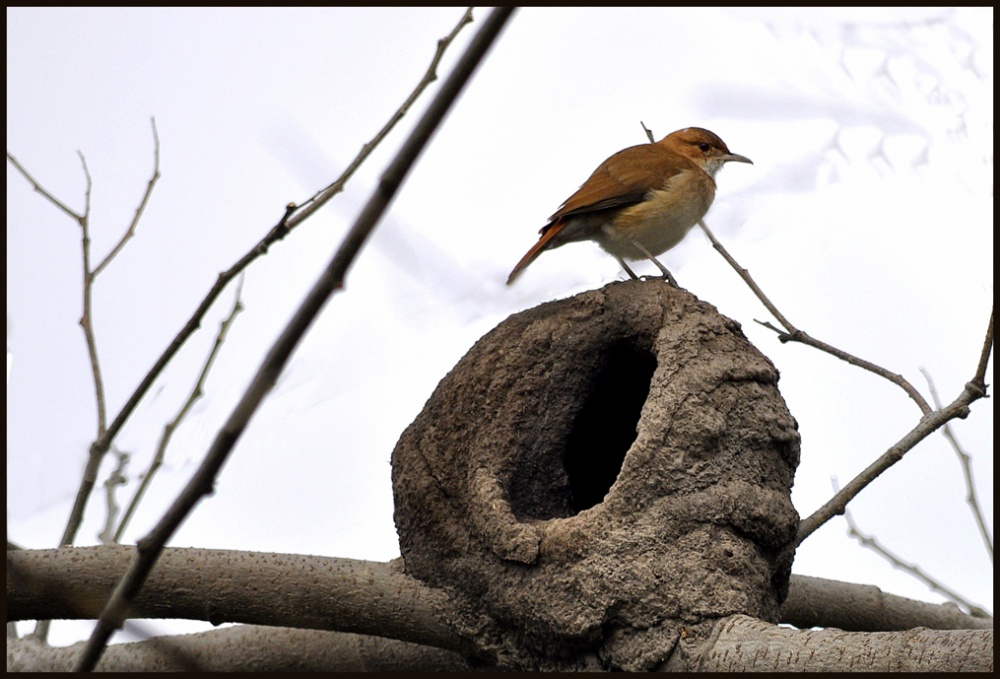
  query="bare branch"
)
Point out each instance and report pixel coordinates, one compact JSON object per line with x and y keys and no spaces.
{"x":793,"y":334}
{"x":150,"y":547}
{"x":115,"y":479}
{"x":306,"y":592}
{"x":364,"y":597}
{"x":323,"y":196}
{"x":142,"y":204}
{"x":168,"y":430}
{"x":247,"y":648}
{"x":965,"y":461}
{"x":818,"y":602}
{"x":288,"y":221}
{"x":87,"y":318}
{"x":40,"y":189}
{"x":930,"y":421}
{"x":649,"y":132}
{"x":871,"y":543}
{"x":979,"y":379}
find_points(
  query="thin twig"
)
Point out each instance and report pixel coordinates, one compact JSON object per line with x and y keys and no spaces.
{"x":793,"y":334}
{"x":332,"y":279}
{"x":168,"y":430}
{"x":142,"y":204}
{"x":40,"y":189}
{"x":979,"y":379}
{"x":87,"y":318}
{"x":965,"y":461}
{"x":324,"y":195}
{"x":115,"y":479}
{"x":873,"y":544}
{"x":649,"y":132}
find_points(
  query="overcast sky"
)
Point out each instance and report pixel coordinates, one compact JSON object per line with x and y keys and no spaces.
{"x":867,"y":217}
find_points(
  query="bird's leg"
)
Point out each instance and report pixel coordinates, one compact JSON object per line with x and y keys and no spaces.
{"x":626,"y":267}
{"x":654,"y":260}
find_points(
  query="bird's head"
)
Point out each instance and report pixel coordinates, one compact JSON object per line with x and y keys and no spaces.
{"x":704,"y":147}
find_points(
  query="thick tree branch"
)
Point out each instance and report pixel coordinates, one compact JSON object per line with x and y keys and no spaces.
{"x":323,"y":593}
{"x":219,"y":586}
{"x":247,"y":648}
{"x":818,"y":602}
{"x":744,"y":644}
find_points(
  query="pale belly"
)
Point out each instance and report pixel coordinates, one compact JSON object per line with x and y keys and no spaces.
{"x":657,"y":224}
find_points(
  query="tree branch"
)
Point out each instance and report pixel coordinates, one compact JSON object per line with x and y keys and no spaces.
{"x":220,"y":586}
{"x":793,"y":334}
{"x":247,"y":648}
{"x":168,"y":430}
{"x":965,"y":461}
{"x":289,"y":221}
{"x":929,"y":424}
{"x":930,"y":421}
{"x":363,"y":597}
{"x":130,"y":232}
{"x":150,"y":547}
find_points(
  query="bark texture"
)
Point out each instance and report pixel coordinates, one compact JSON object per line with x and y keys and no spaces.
{"x":598,"y":473}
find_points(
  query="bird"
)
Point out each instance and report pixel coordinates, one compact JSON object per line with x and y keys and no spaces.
{"x":641,"y":201}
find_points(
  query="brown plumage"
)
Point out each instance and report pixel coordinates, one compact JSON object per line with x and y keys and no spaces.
{"x":641,"y":201}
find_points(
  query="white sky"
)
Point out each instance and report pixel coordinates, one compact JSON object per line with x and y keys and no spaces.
{"x":867,"y":217}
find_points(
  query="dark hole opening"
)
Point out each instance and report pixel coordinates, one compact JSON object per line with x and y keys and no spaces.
{"x":606,"y":424}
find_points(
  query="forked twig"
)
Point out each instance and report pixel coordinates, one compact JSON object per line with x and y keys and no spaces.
{"x":142,"y":204}
{"x":86,"y":323}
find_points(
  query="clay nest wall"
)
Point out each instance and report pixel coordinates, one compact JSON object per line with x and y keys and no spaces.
{"x":599,"y":475}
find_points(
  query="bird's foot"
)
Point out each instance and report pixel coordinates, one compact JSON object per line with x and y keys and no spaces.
{"x":667,"y":278}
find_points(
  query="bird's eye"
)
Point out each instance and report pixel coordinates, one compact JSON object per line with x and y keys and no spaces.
{"x":703,"y":146}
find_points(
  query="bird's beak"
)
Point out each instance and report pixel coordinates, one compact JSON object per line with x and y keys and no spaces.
{"x":734,"y":157}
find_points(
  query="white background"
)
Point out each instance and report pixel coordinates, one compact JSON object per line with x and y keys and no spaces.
{"x":867,"y":217}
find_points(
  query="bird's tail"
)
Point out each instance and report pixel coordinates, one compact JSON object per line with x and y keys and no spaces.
{"x":548,"y":233}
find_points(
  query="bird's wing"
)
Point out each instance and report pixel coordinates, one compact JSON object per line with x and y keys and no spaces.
{"x":624,"y":179}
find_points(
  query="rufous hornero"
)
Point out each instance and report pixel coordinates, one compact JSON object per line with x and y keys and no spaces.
{"x":641,"y":201}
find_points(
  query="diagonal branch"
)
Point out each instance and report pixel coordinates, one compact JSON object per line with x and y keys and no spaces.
{"x":288,"y":221}
{"x":914,"y":570}
{"x":965,"y":461}
{"x":142,"y":205}
{"x":793,"y":334}
{"x":168,"y":430}
{"x":930,"y":422}
{"x":41,"y":189}
{"x":150,"y":547}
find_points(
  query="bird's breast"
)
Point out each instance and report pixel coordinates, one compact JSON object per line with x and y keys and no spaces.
{"x":660,"y":221}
